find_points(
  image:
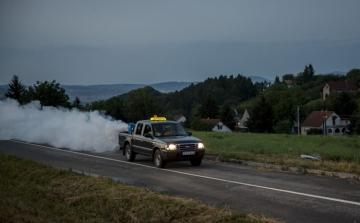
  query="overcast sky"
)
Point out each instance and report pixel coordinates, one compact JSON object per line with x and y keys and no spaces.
{"x":116,"y":42}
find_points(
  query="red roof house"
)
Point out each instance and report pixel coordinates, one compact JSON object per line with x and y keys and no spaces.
{"x":337,"y":86}
{"x":328,"y":121}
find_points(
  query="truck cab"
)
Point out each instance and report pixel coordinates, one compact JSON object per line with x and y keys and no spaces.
{"x":163,"y":141}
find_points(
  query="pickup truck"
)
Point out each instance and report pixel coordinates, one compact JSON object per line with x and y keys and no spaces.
{"x":163,"y":141}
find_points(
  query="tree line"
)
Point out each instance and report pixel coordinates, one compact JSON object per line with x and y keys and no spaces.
{"x":273,"y":110}
{"x":48,"y":93}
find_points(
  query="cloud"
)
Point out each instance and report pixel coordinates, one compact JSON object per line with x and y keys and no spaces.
{"x":59,"y":127}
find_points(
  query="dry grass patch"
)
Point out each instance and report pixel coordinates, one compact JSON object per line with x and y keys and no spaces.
{"x":32,"y":192}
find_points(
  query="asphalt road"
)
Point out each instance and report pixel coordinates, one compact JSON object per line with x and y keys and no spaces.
{"x":284,"y":196}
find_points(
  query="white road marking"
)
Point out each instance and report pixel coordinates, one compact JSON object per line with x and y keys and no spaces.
{"x":199,"y":176}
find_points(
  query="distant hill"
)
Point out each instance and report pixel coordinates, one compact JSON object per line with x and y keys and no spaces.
{"x":92,"y":93}
{"x":260,"y":79}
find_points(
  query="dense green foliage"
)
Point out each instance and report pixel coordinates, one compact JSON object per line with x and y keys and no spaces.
{"x":198,"y":125}
{"x":208,"y":108}
{"x":261,"y":117}
{"x":315,"y":131}
{"x":48,"y":93}
{"x":140,"y":106}
{"x":15,"y":89}
{"x":226,"y":115}
{"x":283,"y":127}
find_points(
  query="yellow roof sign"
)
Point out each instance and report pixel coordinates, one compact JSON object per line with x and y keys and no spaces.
{"x":159,"y":119}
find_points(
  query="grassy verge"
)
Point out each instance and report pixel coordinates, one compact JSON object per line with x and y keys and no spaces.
{"x":339,"y":153}
{"x":32,"y":192}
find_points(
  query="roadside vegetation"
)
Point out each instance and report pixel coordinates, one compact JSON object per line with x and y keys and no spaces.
{"x":338,"y":153}
{"x":33,"y":192}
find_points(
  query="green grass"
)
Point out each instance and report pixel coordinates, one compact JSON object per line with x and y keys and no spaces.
{"x":32,"y":192}
{"x":339,"y":153}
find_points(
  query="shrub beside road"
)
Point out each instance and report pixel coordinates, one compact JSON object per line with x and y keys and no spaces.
{"x":338,"y":153}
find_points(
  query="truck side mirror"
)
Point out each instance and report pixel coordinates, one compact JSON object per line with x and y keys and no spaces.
{"x":189,"y":133}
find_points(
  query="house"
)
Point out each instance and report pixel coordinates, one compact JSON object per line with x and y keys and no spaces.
{"x":180,"y":118}
{"x":266,"y":85}
{"x":328,"y":121}
{"x":237,"y":119}
{"x":245,"y":118}
{"x":289,"y":83}
{"x":217,"y":125}
{"x":337,"y":86}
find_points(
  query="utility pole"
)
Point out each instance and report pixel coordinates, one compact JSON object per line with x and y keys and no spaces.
{"x":298,"y":120}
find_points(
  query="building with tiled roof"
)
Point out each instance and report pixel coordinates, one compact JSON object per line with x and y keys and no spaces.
{"x":328,"y":121}
{"x":337,"y":86}
{"x":289,"y":83}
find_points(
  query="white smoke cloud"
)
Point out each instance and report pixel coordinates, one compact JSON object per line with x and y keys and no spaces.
{"x":59,"y":127}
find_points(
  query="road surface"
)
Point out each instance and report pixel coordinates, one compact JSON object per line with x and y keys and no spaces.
{"x":284,"y":196}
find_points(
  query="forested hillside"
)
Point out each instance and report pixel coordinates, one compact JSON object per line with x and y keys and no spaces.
{"x":228,"y":90}
{"x":239,"y":93}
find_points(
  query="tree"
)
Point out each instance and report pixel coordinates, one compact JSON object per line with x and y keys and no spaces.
{"x":277,"y":80}
{"x":311,"y":72}
{"x":199,"y":125}
{"x":76,"y":103}
{"x":48,"y":93}
{"x":261,"y":117}
{"x":287,"y":77}
{"x":299,"y":78}
{"x":140,"y":105}
{"x":226,"y":115}
{"x":209,"y":108}
{"x":15,"y":89}
{"x":354,"y":75}
{"x":344,"y":105}
{"x":306,"y":74}
{"x":283,"y":127}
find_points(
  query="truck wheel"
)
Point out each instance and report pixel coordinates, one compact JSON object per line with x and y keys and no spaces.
{"x":158,"y":160}
{"x":129,"y":154}
{"x":196,"y":162}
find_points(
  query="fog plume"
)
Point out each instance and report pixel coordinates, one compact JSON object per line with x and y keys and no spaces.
{"x":59,"y":127}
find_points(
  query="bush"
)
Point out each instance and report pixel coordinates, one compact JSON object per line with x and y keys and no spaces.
{"x":199,"y":125}
{"x":283,"y":127}
{"x":315,"y":131}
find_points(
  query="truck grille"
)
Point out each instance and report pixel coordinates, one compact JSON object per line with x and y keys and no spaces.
{"x":186,"y":146}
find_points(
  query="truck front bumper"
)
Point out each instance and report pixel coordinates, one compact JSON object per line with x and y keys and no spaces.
{"x":177,"y":155}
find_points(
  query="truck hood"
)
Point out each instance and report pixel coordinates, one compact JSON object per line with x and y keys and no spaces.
{"x":180,"y":139}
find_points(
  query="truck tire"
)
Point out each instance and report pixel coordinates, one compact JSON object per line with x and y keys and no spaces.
{"x":196,"y":162}
{"x":158,"y":160}
{"x":129,"y":154}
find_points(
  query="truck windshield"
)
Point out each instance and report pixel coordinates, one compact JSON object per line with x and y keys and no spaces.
{"x":168,"y":129}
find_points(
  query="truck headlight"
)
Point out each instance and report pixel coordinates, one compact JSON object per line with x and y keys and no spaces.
{"x":171,"y":147}
{"x":201,"y":146}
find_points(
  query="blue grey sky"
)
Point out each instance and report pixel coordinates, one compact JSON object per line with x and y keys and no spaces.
{"x":87,"y":42}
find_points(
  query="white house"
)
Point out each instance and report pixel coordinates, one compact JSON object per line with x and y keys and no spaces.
{"x":218,"y":126}
{"x":328,"y":121}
